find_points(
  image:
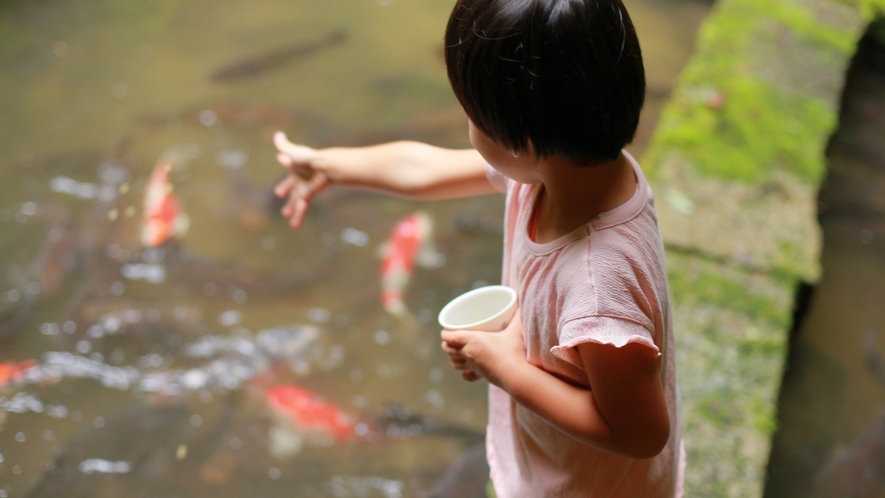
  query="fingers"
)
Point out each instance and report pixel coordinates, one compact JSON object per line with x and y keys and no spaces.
{"x":467,"y":373}
{"x":297,"y":153}
{"x":455,"y":338}
{"x":283,"y":188}
{"x":458,"y":363}
{"x":450,"y":349}
{"x":299,"y":192}
{"x":300,"y":211}
{"x":458,"y":360}
{"x":470,"y":376}
{"x":295,"y":208}
{"x":284,"y":160}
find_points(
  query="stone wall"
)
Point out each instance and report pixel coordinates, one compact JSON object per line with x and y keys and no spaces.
{"x":736,"y":163}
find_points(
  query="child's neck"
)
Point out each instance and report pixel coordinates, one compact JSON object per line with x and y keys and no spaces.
{"x":573,"y":195}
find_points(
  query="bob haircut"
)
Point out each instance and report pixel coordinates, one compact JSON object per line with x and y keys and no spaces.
{"x":558,"y":77}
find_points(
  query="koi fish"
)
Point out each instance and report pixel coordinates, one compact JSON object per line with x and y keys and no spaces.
{"x":59,"y":256}
{"x":163,"y":218}
{"x":12,"y":371}
{"x":256,"y":65}
{"x":301,"y":416}
{"x":408,"y":243}
{"x":308,"y":412}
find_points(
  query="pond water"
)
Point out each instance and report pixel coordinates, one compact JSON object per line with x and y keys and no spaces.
{"x":178,"y":371}
{"x":831,"y":425}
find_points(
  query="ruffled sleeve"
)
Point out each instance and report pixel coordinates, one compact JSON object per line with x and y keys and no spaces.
{"x":602,"y":330}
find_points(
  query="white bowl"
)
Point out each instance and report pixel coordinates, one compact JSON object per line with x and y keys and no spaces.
{"x":487,"y":308}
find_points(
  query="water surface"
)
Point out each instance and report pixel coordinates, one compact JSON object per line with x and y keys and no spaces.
{"x":153,"y":365}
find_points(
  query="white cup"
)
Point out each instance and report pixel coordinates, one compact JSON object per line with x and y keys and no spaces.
{"x":487,"y":308}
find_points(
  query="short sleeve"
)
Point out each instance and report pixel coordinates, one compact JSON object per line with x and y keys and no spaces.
{"x":497,"y":180}
{"x":602,"y":330}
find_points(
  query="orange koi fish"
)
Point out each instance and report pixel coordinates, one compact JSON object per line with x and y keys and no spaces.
{"x":12,"y":371}
{"x":163,"y":217}
{"x":308,"y":413}
{"x":408,"y":243}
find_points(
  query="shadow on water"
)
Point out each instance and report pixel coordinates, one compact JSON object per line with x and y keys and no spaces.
{"x":830,"y":440}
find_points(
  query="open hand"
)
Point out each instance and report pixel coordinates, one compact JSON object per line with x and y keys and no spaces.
{"x":305,"y":180}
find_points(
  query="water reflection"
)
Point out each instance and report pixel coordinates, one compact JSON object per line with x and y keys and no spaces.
{"x":138,"y":371}
{"x":831,"y":438}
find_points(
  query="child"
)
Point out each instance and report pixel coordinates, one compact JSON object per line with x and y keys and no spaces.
{"x":582,"y":394}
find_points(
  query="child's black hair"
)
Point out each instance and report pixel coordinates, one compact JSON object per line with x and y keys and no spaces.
{"x":563,"y":75}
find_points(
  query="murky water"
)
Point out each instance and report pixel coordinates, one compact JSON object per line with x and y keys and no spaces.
{"x":831,"y":436}
{"x":152,"y":372}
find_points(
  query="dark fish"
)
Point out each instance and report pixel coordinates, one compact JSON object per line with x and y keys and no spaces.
{"x":467,"y":477}
{"x":859,"y":470}
{"x":256,"y":65}
{"x":98,"y":462}
{"x":252,"y":204}
{"x":105,"y":229}
{"x":16,"y":313}
{"x":397,"y":422}
{"x":59,"y":256}
{"x":143,"y":450}
{"x":232,"y":278}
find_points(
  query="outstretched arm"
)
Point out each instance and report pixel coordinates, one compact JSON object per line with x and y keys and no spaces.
{"x":406,"y":169}
{"x":624,"y":412}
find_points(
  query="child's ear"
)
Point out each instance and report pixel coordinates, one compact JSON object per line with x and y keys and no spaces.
{"x":529,"y":148}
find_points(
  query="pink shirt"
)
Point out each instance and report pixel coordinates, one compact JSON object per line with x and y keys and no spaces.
{"x":605,"y":282}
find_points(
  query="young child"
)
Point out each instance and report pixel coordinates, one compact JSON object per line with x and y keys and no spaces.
{"x":582,"y":394}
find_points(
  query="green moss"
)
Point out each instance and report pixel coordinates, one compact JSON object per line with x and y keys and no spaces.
{"x":719,"y":289}
{"x":762,"y":415}
{"x":719,"y":409}
{"x":732,"y":123}
{"x":802,"y":23}
{"x":766,"y":346}
{"x":490,"y":490}
{"x":868,"y":8}
{"x":759,"y":99}
{"x":758,"y":130}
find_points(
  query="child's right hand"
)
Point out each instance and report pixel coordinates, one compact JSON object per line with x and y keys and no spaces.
{"x":306,"y":178}
{"x":488,"y":355}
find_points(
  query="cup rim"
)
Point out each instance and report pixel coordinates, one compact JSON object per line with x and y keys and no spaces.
{"x":470,"y":293}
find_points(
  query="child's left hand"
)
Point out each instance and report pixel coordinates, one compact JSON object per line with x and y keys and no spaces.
{"x":485,"y":354}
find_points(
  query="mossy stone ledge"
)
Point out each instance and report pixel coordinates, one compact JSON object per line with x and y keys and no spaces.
{"x":736,"y":163}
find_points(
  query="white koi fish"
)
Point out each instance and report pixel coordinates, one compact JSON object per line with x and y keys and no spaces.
{"x":163,"y":217}
{"x":409,"y":243}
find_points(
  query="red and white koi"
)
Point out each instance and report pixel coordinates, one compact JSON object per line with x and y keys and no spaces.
{"x":163,"y":217}
{"x":302,"y":416}
{"x":409,"y":243}
{"x":12,"y":371}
